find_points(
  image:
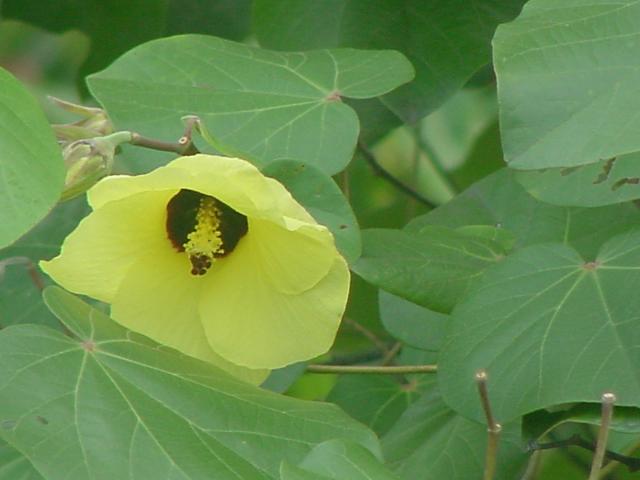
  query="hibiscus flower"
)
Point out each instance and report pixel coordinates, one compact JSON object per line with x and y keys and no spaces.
{"x":210,"y":257}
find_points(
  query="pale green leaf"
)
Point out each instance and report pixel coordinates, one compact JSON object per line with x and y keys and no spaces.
{"x":568,"y":76}
{"x":550,"y":327}
{"x":341,"y":460}
{"x":110,"y":404}
{"x":31,"y":168}
{"x":601,"y":183}
{"x":257,"y":104}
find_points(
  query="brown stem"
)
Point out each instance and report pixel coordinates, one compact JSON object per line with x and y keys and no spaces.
{"x":180,"y":147}
{"x":608,"y":399}
{"x":378,"y":169}
{"x":493,"y":428}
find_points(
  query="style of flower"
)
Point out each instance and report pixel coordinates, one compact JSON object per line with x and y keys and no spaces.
{"x":210,"y":257}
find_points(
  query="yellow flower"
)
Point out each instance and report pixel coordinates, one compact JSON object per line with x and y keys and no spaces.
{"x":210,"y":257}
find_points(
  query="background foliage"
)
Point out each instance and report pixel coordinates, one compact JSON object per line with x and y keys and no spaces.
{"x":476,"y":162}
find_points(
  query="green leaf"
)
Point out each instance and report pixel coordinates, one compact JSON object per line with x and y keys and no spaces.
{"x":432,"y":442}
{"x":602,"y":183}
{"x":20,"y":278}
{"x":31,"y":168}
{"x":337,"y":460}
{"x":15,"y":466}
{"x":114,"y":27}
{"x":291,"y":472}
{"x":550,"y":327}
{"x":446,"y":40}
{"x":537,"y":424}
{"x":567,"y":82}
{"x":412,"y":324}
{"x":433,"y":267}
{"x":500,"y":200}
{"x":340,"y":460}
{"x":165,"y":415}
{"x":322,"y":198}
{"x":257,"y":104}
{"x":375,"y":400}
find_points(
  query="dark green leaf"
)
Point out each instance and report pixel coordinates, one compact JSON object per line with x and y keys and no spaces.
{"x":432,"y":267}
{"x":31,"y":168}
{"x":322,"y":198}
{"x":113,"y":26}
{"x":375,"y":400}
{"x":537,"y":424}
{"x":224,"y":18}
{"x":550,"y":327}
{"x":111,"y":404}
{"x":256,"y":104}
{"x":568,"y":82}
{"x":446,"y":40}
{"x":20,"y":278}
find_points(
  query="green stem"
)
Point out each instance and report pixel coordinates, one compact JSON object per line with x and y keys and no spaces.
{"x":384,"y":370}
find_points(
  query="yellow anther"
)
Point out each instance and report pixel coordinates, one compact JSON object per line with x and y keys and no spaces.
{"x":205,"y":242}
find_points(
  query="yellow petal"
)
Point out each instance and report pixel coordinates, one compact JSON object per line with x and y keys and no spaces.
{"x":293,"y":259}
{"x":250,"y":322}
{"x":234,"y":181}
{"x":159,"y":298}
{"x":97,"y":254}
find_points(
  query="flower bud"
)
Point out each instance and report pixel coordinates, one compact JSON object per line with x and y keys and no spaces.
{"x":95,"y":123}
{"x":88,"y":160}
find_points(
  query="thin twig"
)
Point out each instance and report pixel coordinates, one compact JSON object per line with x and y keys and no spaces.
{"x":608,"y":399}
{"x":391,"y":354}
{"x":379,"y":169}
{"x":390,"y":370}
{"x":632,"y":463}
{"x":493,"y":428}
{"x":153,"y":144}
{"x":613,"y":464}
{"x":368,"y":334}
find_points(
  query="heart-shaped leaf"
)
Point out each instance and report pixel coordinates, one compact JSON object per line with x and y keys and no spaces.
{"x":112,"y":404}
{"x":568,"y":82}
{"x":256,"y":104}
{"x":550,"y":327}
{"x":447,"y":41}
